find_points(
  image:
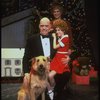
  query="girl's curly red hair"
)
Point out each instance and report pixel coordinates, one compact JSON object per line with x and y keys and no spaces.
{"x":64,"y":26}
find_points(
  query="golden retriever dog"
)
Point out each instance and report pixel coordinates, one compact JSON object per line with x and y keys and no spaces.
{"x":36,"y":80}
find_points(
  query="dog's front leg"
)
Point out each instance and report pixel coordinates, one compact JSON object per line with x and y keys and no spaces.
{"x":21,"y":95}
{"x":32,"y":95}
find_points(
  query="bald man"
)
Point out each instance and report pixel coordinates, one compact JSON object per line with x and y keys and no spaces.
{"x":39,"y":44}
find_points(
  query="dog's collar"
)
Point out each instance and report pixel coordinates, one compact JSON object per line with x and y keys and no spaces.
{"x":33,"y":71}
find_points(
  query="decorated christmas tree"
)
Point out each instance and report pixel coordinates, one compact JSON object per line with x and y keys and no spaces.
{"x":76,"y":15}
{"x":74,"y":12}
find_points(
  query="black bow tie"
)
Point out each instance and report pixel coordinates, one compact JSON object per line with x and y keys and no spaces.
{"x":45,"y":36}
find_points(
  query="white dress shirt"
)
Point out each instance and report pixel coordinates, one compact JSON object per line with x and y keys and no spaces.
{"x":46,"y":46}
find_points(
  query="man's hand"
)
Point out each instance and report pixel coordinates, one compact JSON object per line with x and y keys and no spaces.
{"x":70,"y":51}
{"x":26,"y":74}
{"x":65,"y":60}
{"x":26,"y":79}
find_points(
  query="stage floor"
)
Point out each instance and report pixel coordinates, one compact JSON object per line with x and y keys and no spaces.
{"x":77,"y":92}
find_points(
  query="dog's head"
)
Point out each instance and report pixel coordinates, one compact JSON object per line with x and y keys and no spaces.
{"x":40,"y":65}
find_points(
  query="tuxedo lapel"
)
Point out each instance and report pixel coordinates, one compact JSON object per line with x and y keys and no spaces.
{"x":51,"y":44}
{"x":39,"y":45}
{"x":52,"y":51}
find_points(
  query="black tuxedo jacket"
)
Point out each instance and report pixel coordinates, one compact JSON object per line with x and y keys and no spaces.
{"x":33,"y":49}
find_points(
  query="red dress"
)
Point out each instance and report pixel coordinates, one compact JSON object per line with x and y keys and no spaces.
{"x":56,"y":63}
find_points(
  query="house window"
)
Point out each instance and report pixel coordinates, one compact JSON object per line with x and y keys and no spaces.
{"x":17,"y":62}
{"x":17,"y":71}
{"x":7,"y":62}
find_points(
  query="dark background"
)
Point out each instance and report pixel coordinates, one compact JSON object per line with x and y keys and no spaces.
{"x":93,"y":25}
{"x":11,"y":7}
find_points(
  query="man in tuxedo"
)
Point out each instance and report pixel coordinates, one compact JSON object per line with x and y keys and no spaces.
{"x":39,"y":44}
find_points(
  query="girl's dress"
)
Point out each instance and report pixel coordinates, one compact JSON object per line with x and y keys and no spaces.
{"x":56,"y":63}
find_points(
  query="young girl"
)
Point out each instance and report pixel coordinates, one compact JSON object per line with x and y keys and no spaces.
{"x":62,"y":44}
